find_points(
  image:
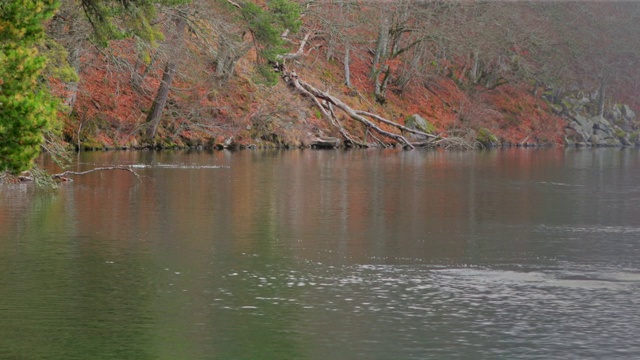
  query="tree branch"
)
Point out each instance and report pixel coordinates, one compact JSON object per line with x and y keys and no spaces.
{"x":300,"y":51}
{"x":234,"y":4}
{"x":63,"y":175}
{"x":394,"y":124}
{"x":292,"y":78}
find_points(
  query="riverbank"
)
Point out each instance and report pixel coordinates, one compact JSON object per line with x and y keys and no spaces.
{"x":241,"y":113}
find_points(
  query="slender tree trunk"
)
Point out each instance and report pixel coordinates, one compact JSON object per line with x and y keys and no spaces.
{"x":225,"y":64}
{"x":379,"y":60}
{"x":72,"y":95}
{"x":155,"y":114}
{"x":229,"y":55}
{"x":473,"y":75}
{"x":381,"y":47}
{"x":153,"y":119}
{"x":73,"y":58}
{"x":380,"y":85}
{"x":601,"y":94}
{"x":347,"y":72}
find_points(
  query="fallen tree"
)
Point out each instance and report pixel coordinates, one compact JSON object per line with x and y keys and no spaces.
{"x":453,"y":139}
{"x":326,"y":103}
{"x":42,"y":177}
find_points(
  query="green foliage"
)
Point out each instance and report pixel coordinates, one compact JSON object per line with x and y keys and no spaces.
{"x":486,"y":138}
{"x":286,"y":14}
{"x":119,"y":19}
{"x":267,"y":27}
{"x":266,"y":75}
{"x":27,"y":110}
{"x":42,"y":178}
{"x":619,"y":133}
{"x":57,"y":64}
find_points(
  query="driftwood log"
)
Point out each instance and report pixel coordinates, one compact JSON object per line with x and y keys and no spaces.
{"x":64,"y":175}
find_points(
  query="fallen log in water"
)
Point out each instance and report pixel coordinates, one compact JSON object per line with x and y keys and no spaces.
{"x":325,"y":143}
{"x":64,"y":175}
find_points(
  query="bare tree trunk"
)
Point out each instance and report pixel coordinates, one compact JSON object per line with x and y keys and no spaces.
{"x":473,"y":74}
{"x":72,"y":88}
{"x":601,"y":94}
{"x":155,"y":114}
{"x":223,"y":58}
{"x":347,"y":72}
{"x":229,"y":55}
{"x":381,"y":47}
{"x":153,"y":119}
{"x":380,"y":85}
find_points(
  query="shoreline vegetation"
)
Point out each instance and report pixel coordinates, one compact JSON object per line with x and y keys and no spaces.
{"x":222,"y":74}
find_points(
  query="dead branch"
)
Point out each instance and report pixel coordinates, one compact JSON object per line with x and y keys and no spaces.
{"x":459,"y":140}
{"x":326,"y":108}
{"x":394,"y":124}
{"x":343,"y":132}
{"x":300,"y":51}
{"x":63,"y":175}
{"x":234,"y":4}
{"x":316,"y":94}
{"x":376,"y":139}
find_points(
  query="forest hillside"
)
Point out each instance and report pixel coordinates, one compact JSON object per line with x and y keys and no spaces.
{"x":289,"y":73}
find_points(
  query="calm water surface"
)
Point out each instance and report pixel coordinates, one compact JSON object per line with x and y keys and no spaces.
{"x":527,"y":254}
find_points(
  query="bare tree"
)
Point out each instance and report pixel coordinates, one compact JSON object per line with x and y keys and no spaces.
{"x":175,"y":40}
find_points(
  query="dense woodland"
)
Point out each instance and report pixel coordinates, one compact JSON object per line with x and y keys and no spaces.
{"x":93,"y":74}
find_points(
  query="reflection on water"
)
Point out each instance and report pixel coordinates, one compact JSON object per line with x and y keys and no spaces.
{"x":326,"y":255}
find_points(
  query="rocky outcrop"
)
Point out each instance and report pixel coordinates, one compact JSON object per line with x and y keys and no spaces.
{"x":618,"y":127}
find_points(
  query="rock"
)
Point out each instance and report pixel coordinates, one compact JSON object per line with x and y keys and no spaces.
{"x":601,"y":134}
{"x":582,"y":126}
{"x":616,"y":113}
{"x":417,"y":122}
{"x":324,"y":143}
{"x":614,"y":142}
{"x":603,"y":124}
{"x":582,"y":121}
{"x":627,"y":113}
{"x":569,"y":142}
{"x":601,"y":139}
{"x":624,"y":141}
{"x":557,"y":109}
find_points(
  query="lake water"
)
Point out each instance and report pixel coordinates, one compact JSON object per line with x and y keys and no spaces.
{"x":502,"y":254}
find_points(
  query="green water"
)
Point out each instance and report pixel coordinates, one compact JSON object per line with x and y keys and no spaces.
{"x":326,"y":255}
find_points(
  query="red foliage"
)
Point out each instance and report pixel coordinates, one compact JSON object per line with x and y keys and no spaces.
{"x":523,"y":117}
{"x":115,"y":109}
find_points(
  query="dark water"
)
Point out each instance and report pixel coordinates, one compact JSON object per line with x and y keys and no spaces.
{"x":527,"y":254}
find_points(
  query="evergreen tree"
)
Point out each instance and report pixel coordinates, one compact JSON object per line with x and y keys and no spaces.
{"x":267,"y":26}
{"x":27,"y":109}
{"x":119,"y":19}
